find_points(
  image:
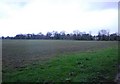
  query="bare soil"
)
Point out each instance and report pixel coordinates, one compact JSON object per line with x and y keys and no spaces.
{"x":19,"y":53}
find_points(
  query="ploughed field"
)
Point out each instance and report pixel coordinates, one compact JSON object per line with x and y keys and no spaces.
{"x":52,"y":61}
{"x":19,"y":53}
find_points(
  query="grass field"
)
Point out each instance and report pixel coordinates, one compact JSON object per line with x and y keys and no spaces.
{"x":51,"y":61}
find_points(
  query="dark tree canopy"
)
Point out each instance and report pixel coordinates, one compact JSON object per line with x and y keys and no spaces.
{"x":103,"y":35}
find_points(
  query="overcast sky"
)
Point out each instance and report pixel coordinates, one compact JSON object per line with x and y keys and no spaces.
{"x":34,"y":16}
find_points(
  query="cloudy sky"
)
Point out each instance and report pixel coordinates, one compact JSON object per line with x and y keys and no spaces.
{"x":34,"y":16}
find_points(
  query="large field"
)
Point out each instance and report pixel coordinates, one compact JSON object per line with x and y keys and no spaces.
{"x":56,"y":58}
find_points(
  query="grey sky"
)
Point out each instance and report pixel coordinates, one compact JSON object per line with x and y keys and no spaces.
{"x":103,"y":5}
{"x":34,"y":16}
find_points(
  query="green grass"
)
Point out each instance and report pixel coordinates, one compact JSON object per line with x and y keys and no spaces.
{"x":89,"y":66}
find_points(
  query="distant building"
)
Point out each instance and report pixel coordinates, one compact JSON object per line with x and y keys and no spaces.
{"x":96,"y":38}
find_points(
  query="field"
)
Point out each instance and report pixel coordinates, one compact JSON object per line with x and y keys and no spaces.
{"x":51,"y":61}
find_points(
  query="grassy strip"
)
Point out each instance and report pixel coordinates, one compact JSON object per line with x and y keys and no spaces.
{"x":92,"y":66}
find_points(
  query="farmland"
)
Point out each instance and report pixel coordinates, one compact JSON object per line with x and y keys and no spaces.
{"x":47,"y":60}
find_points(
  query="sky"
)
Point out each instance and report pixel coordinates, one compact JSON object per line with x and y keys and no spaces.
{"x":34,"y":16}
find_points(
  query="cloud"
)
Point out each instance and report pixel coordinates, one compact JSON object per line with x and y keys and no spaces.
{"x":10,"y":7}
{"x":19,"y":3}
{"x":102,"y":6}
{"x":47,"y":15}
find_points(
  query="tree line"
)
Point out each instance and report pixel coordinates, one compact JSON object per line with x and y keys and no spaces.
{"x":103,"y":35}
